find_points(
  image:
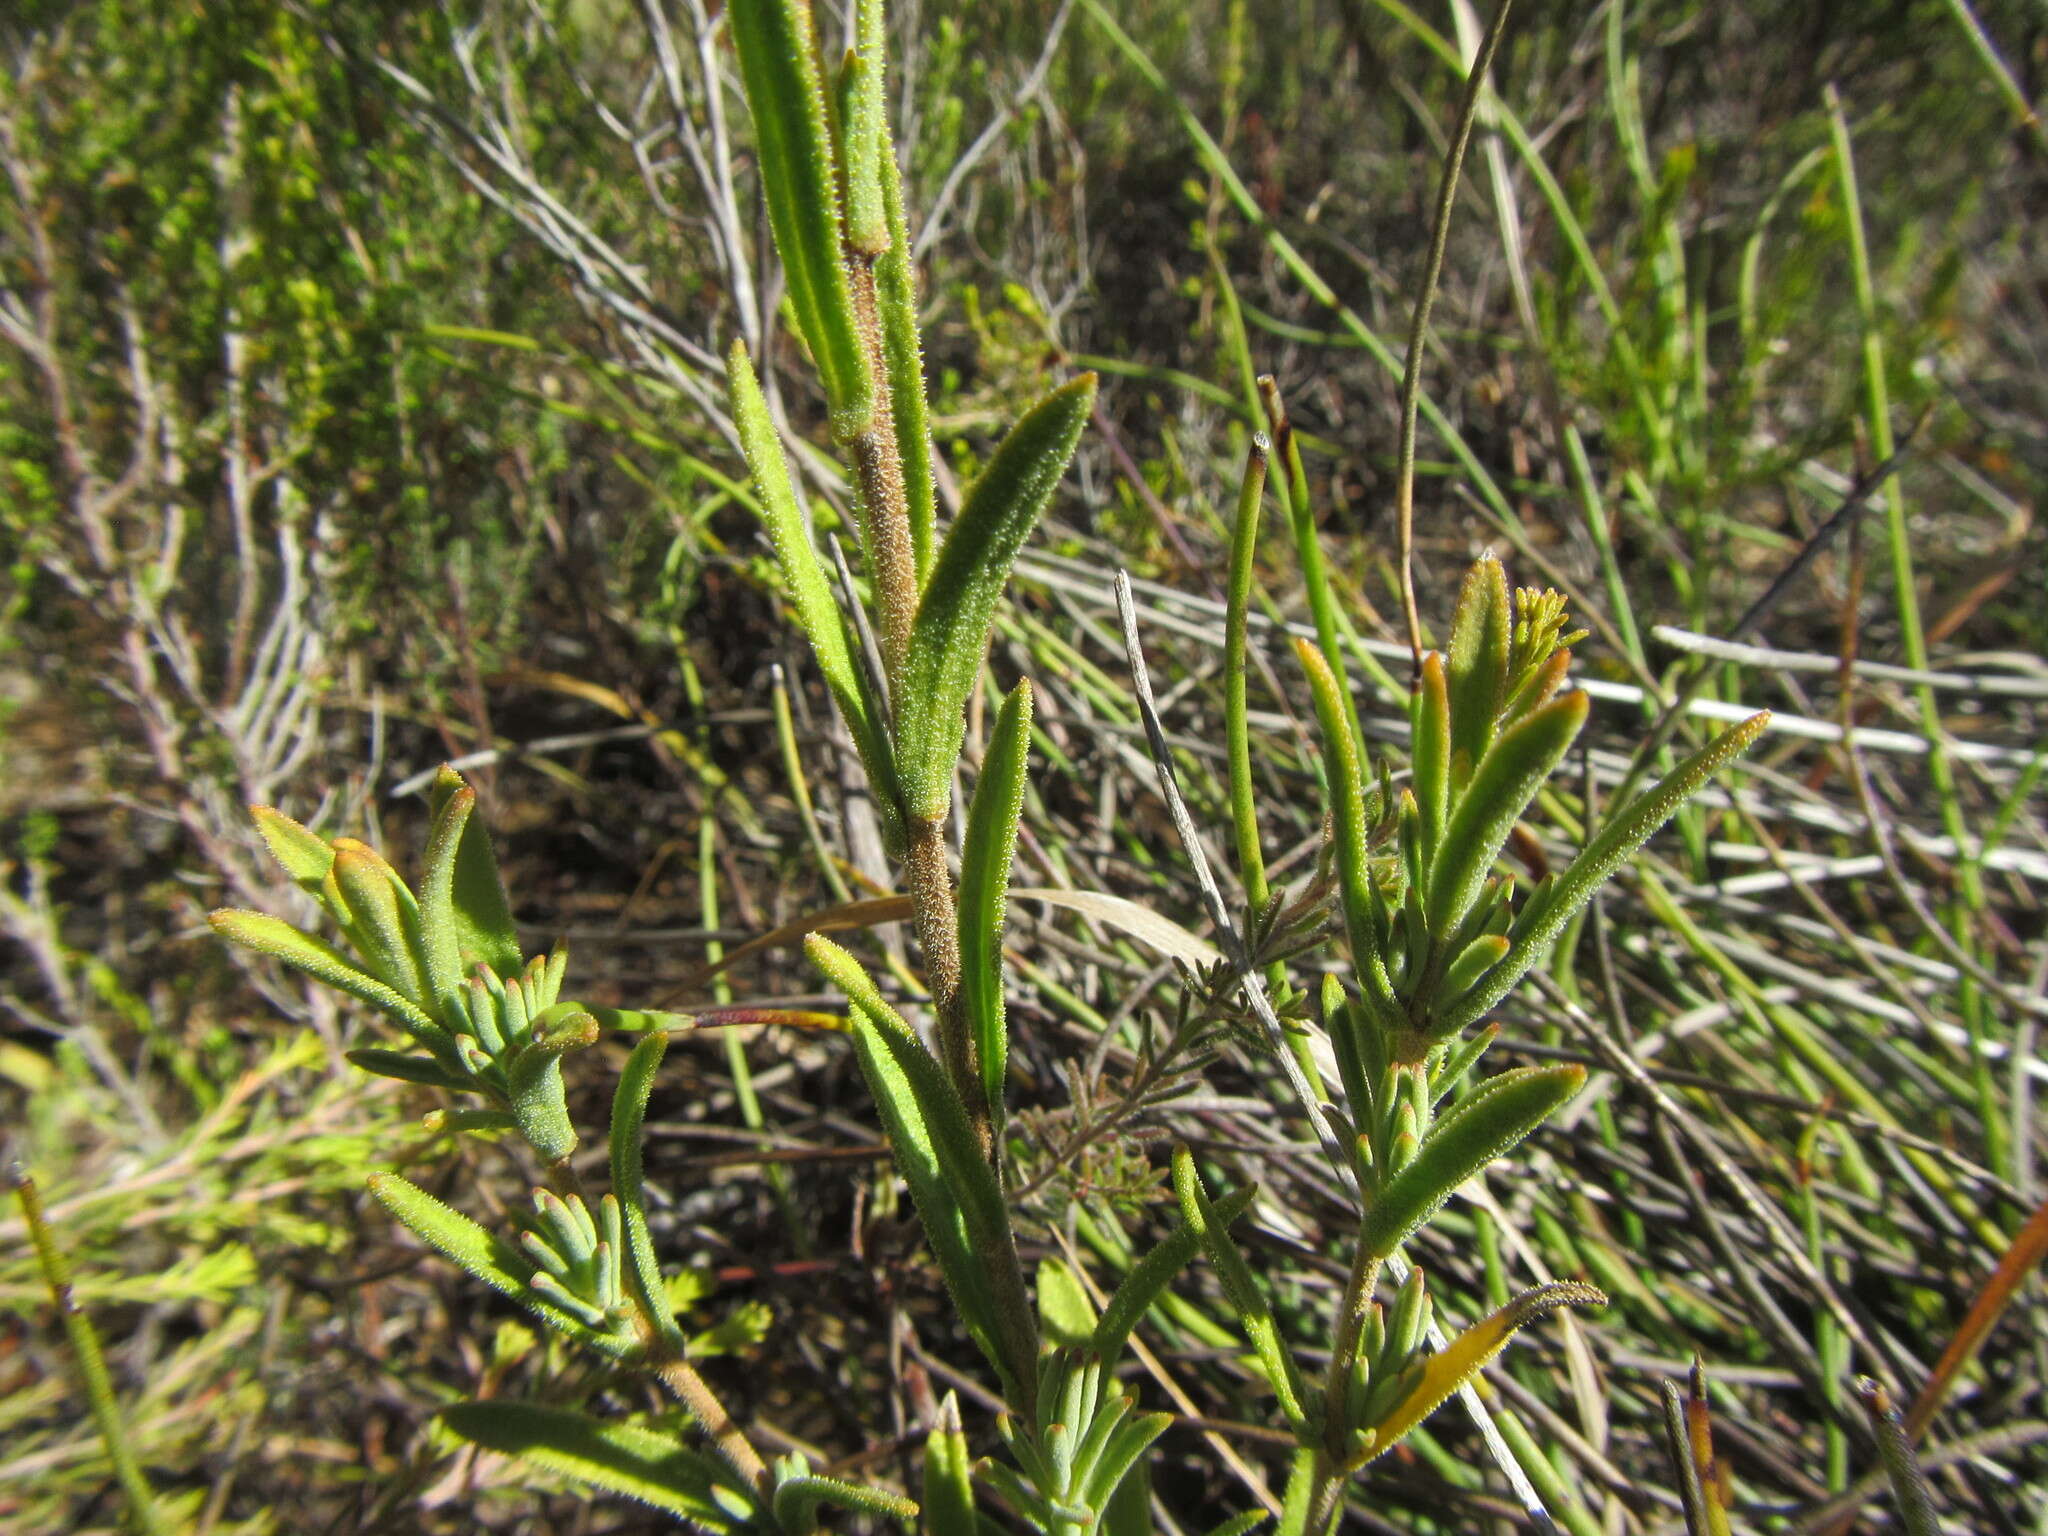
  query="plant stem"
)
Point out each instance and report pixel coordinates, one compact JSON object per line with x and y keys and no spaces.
{"x":1411,"y":375}
{"x":1358,"y":1289}
{"x":935,"y":917}
{"x":92,"y":1365}
{"x":884,"y":506}
{"x":691,"y":1390}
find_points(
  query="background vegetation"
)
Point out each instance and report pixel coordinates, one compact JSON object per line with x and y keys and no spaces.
{"x":361,"y":407}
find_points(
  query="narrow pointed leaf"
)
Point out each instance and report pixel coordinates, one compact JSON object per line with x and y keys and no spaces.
{"x":798,"y":1500}
{"x":1461,"y":1360}
{"x":273,"y":936}
{"x":409,"y":1068}
{"x":301,"y":853}
{"x":1475,"y":1131}
{"x":1146,"y":1281}
{"x":484,"y":931}
{"x":984,"y":888}
{"x":629,"y":1185}
{"x":1125,"y":1447}
{"x":903,"y":365}
{"x":1481,"y":634}
{"x":1432,"y":752}
{"x":948,"y":1475}
{"x":1347,"y":815}
{"x":384,"y":933}
{"x":654,"y":1468}
{"x":778,"y":51}
{"x":1554,"y":904}
{"x":1501,"y":787}
{"x":864,"y":131}
{"x":952,"y":1184}
{"x":967,"y":580}
{"x":818,"y":613}
{"x":1239,"y":1287}
{"x":496,"y":1263}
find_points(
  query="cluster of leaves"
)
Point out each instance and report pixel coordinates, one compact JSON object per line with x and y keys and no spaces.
{"x":1435,"y":938}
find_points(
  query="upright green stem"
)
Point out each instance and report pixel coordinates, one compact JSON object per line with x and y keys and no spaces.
{"x":1251,"y":860}
{"x":92,"y":1365}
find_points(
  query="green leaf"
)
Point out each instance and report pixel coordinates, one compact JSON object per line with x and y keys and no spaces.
{"x":803,"y":578}
{"x":382,"y":918}
{"x":273,"y":936}
{"x":778,"y":51}
{"x":948,"y":1475}
{"x":959,"y":602}
{"x":951,"y":1183}
{"x":409,"y":1068}
{"x":1147,"y":1280}
{"x":864,"y":130}
{"x":1130,"y":1441}
{"x":1239,"y":1287}
{"x":629,"y":1185}
{"x":618,"y":1458}
{"x":984,"y":889}
{"x":1347,"y":815}
{"x":1503,"y":784}
{"x":533,"y":1082}
{"x":1479,"y":1128}
{"x":303,"y":854}
{"x":1432,"y":753}
{"x":1065,"y":1314}
{"x":1244,"y":548}
{"x":1240,"y":1524}
{"x":1129,"y":1510}
{"x":798,"y":1499}
{"x":484,"y":931}
{"x":456,"y":1237}
{"x":1557,"y":902}
{"x":1482,"y":634}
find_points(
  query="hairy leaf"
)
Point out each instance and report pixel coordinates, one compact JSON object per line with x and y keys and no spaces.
{"x":495,"y":1263}
{"x":948,"y":1475}
{"x":1147,"y":1280}
{"x":629,"y":1184}
{"x":654,"y":1468}
{"x":484,"y":931}
{"x":303,"y":854}
{"x":817,"y":610}
{"x":967,"y":580}
{"x":1481,"y":635}
{"x":1554,"y":905}
{"x":984,"y":886}
{"x":1479,"y":1128}
{"x":273,"y":936}
{"x":1503,"y":784}
{"x":1245,"y":1298}
{"x":778,"y":50}
{"x":951,"y":1183}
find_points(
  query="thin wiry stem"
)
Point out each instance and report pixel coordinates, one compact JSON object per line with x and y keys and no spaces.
{"x":1411,"y":377}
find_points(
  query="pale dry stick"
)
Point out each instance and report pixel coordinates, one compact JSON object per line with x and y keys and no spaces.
{"x":1232,"y":944}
